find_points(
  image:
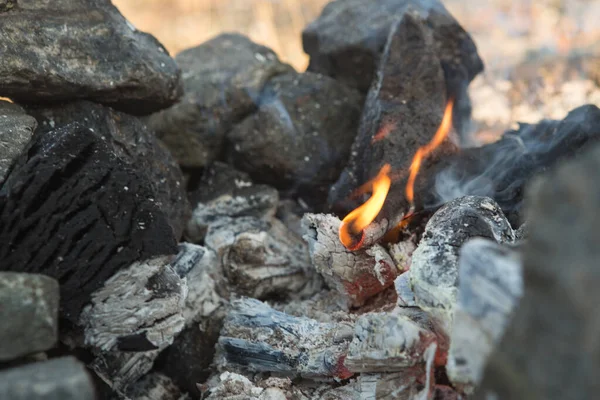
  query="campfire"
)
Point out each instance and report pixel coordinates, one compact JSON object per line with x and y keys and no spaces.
{"x":222,"y":226}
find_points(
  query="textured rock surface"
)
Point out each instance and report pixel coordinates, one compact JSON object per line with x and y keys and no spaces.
{"x":72,"y":209}
{"x":30,"y":314}
{"x":133,"y":142}
{"x":57,"y":379}
{"x":16,"y":129}
{"x":83,"y":49}
{"x":299,"y":139}
{"x":550,"y":349}
{"x":223,"y":80}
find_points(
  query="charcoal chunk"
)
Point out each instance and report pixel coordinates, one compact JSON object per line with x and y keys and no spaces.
{"x":74,"y":210}
{"x":133,"y":142}
{"x":299,"y":139}
{"x":83,"y":49}
{"x":550,"y":349}
{"x":57,"y":379}
{"x":16,"y":129}
{"x":223,"y":79}
{"x":30,"y":314}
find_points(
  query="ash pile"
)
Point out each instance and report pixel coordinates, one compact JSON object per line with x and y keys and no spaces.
{"x":220,"y":226}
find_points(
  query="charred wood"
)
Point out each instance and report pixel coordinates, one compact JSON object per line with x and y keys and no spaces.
{"x":16,"y":129}
{"x":155,"y":386}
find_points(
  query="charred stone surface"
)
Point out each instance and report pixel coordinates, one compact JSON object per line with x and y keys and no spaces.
{"x":30,"y":314}
{"x":133,"y":142}
{"x":83,"y":49}
{"x":299,"y":139}
{"x":402,"y":113}
{"x":16,"y":129}
{"x":223,"y":80}
{"x":502,"y":169}
{"x":558,"y":310}
{"x":73,"y":210}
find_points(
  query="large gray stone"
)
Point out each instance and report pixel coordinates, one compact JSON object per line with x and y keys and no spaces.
{"x":16,"y":129}
{"x":29,"y":311}
{"x":58,"y":379}
{"x":82,"y":49}
{"x":551,"y":348}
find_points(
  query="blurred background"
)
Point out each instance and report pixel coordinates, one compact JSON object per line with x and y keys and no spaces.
{"x":506,"y":31}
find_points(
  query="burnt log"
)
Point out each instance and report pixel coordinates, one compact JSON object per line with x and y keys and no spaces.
{"x":72,"y":209}
{"x":155,"y":386}
{"x":83,"y":49}
{"x":133,"y":142}
{"x":16,"y":129}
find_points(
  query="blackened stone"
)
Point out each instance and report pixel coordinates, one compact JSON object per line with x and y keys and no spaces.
{"x":299,"y":139}
{"x":30,"y":314}
{"x":72,"y":209}
{"x":83,"y":49}
{"x":347,"y":40}
{"x":223,"y":80}
{"x":551,"y":349}
{"x":16,"y":129}
{"x":134,"y":143}
{"x":57,"y":379}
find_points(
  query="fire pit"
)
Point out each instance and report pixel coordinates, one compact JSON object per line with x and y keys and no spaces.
{"x":221,"y":226}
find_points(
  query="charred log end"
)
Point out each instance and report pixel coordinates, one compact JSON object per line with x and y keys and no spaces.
{"x":341,"y":371}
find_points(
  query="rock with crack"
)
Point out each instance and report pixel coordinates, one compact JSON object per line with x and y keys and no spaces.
{"x":16,"y":129}
{"x":558,"y":307}
{"x":226,"y":192}
{"x":223,"y":81}
{"x":299,"y":138}
{"x":57,"y":379}
{"x":257,"y":338}
{"x":71,"y":208}
{"x":30,"y":311}
{"x":490,"y":287}
{"x":155,"y":386}
{"x":133,"y":142}
{"x":434,"y":268}
{"x":83,"y":49}
{"x":262,"y":259}
{"x":357,"y":275}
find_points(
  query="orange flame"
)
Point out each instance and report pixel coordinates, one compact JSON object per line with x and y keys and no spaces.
{"x":424,"y":151}
{"x":361,"y":217}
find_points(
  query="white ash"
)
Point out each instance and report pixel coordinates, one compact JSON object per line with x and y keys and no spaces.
{"x":155,"y":386}
{"x":232,"y":386}
{"x":120,"y":369}
{"x":402,"y":253}
{"x":406,"y":297}
{"x":325,"y":306}
{"x":490,"y":287}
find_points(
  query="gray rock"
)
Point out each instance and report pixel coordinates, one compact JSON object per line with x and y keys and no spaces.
{"x":30,"y":314}
{"x":346,"y":41}
{"x":551,"y":348}
{"x":16,"y":129}
{"x":300,"y":137}
{"x":223,"y":80}
{"x":58,"y":379}
{"x":83,"y":49}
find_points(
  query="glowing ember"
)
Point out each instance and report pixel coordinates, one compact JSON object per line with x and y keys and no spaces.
{"x":424,"y":151}
{"x":354,"y":223}
{"x":383,"y":132}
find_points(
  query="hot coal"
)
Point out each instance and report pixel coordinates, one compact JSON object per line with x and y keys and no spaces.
{"x":502,"y":169}
{"x":134,"y":143}
{"x":16,"y":129}
{"x":550,"y":350}
{"x":83,"y":49}
{"x":223,"y":80}
{"x":72,"y":209}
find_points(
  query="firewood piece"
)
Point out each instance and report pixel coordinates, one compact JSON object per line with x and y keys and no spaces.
{"x":490,"y":287}
{"x":434,"y":267}
{"x":58,"y":379}
{"x":155,"y":386}
{"x":558,"y":311}
{"x":16,"y":129}
{"x":260,"y":258}
{"x":226,"y":192}
{"x":134,"y":143}
{"x":403,"y":111}
{"x":257,"y":338}
{"x":502,"y":169}
{"x":223,"y":79}
{"x":30,"y":314}
{"x":89,"y":51}
{"x":357,"y":275}
{"x":73,"y":210}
